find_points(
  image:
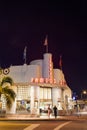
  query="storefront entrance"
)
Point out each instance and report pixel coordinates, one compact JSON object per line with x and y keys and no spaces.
{"x":23,"y":106}
{"x":44,"y":106}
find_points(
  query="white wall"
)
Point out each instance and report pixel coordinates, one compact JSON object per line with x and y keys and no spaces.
{"x":22,"y":74}
{"x":58,"y":75}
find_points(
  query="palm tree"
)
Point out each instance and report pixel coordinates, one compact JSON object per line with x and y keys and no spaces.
{"x":7,"y":91}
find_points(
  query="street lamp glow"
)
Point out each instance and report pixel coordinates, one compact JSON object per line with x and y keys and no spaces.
{"x":84,"y":92}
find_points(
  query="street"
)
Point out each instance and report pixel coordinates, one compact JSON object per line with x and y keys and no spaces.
{"x":43,"y":125}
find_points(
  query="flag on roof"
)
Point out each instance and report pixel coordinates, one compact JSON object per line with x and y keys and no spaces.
{"x":60,"y":62}
{"x":24,"y":53}
{"x":46,"y":41}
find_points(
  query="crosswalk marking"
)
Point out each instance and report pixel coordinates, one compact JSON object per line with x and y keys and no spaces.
{"x":60,"y":126}
{"x":31,"y":127}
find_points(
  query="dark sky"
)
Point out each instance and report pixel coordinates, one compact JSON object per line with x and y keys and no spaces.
{"x":26,"y":24}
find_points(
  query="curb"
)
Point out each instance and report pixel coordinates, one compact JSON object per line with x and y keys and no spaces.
{"x":27,"y":118}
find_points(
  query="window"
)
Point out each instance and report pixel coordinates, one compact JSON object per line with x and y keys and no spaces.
{"x":45,"y":93}
{"x":23,"y":92}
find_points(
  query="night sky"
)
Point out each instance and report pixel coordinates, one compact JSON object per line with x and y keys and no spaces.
{"x":26,"y":24}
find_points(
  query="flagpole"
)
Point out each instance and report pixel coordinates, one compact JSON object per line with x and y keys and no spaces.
{"x":60,"y":62}
{"x":47,"y":48}
{"x":25,"y":60}
{"x":24,"y":54}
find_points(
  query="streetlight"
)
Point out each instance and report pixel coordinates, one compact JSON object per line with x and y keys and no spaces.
{"x":84,"y":94}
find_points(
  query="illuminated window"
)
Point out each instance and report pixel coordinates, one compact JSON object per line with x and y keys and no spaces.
{"x":45,"y":93}
{"x":41,"y":93}
{"x":23,"y":92}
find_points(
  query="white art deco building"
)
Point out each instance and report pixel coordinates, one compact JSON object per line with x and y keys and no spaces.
{"x":38,"y":85}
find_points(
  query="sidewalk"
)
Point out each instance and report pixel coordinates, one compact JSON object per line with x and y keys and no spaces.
{"x":42,"y":118}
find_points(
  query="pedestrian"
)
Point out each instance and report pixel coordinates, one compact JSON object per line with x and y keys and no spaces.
{"x":55,"y":111}
{"x":49,"y":112}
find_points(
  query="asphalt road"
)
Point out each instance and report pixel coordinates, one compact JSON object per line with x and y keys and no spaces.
{"x":43,"y":125}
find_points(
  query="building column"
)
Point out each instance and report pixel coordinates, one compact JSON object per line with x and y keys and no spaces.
{"x":38,"y":99}
{"x":57,"y":98}
{"x":32,"y":100}
{"x":60,"y":99}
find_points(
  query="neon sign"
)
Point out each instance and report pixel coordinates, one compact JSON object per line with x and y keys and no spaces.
{"x":47,"y":80}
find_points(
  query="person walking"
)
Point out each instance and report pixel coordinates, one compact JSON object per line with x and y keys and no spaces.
{"x":49,"y":112}
{"x":55,"y":111}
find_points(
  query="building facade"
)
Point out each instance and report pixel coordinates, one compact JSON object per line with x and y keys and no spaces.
{"x":38,"y":85}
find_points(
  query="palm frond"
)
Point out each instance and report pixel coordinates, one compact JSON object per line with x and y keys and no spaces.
{"x":10,"y":92}
{"x":6,"y":79}
{"x":8,"y":101}
{"x":0,"y":91}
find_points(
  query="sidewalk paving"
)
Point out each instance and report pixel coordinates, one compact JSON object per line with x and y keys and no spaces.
{"x":25,"y":117}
